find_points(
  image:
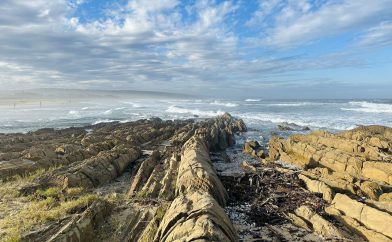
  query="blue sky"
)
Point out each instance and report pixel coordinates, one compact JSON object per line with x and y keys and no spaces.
{"x":258,"y":48}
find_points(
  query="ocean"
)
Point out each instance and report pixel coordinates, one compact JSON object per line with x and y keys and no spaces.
{"x":258,"y":114}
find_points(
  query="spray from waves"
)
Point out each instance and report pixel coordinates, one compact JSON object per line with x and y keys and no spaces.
{"x":256,"y":118}
{"x":369,"y":107}
{"x":252,"y":100}
{"x":300,"y":104}
{"x":218,"y":103}
{"x":198,"y":112}
{"x":105,"y":121}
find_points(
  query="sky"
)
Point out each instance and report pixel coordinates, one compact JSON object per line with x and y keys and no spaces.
{"x":237,"y":48}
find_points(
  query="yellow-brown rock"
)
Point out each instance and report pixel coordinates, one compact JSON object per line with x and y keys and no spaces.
{"x":318,"y":187}
{"x":343,"y":160}
{"x":370,"y":217}
{"x":195,"y":217}
{"x":319,"y":224}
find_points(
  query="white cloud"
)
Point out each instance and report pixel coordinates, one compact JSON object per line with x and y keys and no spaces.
{"x":380,"y":35}
{"x":151,"y":44}
{"x":296,"y":23}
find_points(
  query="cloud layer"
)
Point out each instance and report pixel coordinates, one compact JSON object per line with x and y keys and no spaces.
{"x":175,"y":45}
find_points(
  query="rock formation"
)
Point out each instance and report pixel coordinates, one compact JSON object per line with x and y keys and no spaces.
{"x":351,"y":169}
{"x":155,"y":180}
{"x":175,"y":193}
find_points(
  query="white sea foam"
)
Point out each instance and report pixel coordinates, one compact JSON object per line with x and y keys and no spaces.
{"x":107,"y":112}
{"x":73,"y":112}
{"x":369,"y":107}
{"x":256,"y":118}
{"x":198,"y":112}
{"x":219,"y":103}
{"x":300,"y":104}
{"x":104,"y":121}
{"x":85,"y":108}
{"x":252,"y":100}
{"x":133,"y":104}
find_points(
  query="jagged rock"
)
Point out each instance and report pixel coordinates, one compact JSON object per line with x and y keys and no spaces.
{"x":95,"y":171}
{"x":195,"y":217}
{"x":343,"y":159}
{"x":196,"y":173}
{"x":247,"y":167}
{"x":253,"y":148}
{"x":336,"y":180}
{"x":318,"y":187}
{"x":81,"y":227}
{"x":168,"y":181}
{"x":152,"y":227}
{"x":250,"y":146}
{"x":386,"y":197}
{"x":291,"y":127}
{"x":355,"y":226}
{"x":134,"y":225}
{"x":319,"y":224}
{"x":298,"y":221}
{"x":144,"y":172}
{"x":381,"y":205}
{"x":370,"y":217}
{"x":378,"y":171}
{"x":372,"y":189}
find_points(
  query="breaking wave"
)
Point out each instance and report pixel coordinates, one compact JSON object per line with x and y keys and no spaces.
{"x":218,"y":103}
{"x":369,"y":107}
{"x":290,"y":104}
{"x":255,"y":118}
{"x":198,"y":112}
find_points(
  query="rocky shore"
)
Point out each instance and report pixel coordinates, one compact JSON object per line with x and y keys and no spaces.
{"x":155,"y":180}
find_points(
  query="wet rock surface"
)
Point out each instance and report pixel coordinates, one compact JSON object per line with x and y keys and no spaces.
{"x":155,"y":180}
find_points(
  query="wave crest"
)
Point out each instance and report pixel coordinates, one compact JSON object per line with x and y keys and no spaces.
{"x":218,"y":103}
{"x":198,"y":112}
{"x":369,"y":107}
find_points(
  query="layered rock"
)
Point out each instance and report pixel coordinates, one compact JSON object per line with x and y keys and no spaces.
{"x":21,"y":154}
{"x":95,"y":171}
{"x":196,"y":212}
{"x":368,"y":221}
{"x":356,"y":163}
{"x":185,"y":177}
{"x":170,"y":190}
{"x":82,"y":226}
{"x":344,"y":160}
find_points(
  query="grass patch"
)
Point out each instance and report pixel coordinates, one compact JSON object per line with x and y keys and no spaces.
{"x":40,"y":212}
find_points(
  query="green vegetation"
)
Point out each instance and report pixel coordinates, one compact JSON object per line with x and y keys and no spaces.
{"x":38,"y":212}
{"x":20,"y":212}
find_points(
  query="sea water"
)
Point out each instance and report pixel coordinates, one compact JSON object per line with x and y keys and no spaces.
{"x":258,"y":114}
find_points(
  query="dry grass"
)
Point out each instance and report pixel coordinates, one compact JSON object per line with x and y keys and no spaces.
{"x":39,"y":212}
{"x":20,"y":213}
